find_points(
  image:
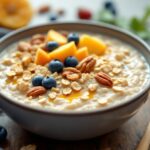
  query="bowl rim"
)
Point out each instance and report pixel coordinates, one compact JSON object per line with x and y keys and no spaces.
{"x":85,"y":112}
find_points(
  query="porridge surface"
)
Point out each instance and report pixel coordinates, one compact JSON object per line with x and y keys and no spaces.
{"x":111,"y":77}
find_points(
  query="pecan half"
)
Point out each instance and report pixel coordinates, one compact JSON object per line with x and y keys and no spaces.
{"x":104,"y":79}
{"x":36,"y":91}
{"x":71,"y":74}
{"x":86,"y":65}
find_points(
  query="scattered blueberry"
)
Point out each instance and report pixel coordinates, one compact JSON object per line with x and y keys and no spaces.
{"x":108,"y":5}
{"x":50,"y":46}
{"x":71,"y":61}
{"x":73,"y":37}
{"x":37,"y":80}
{"x":53,"y":17}
{"x":55,"y":66}
{"x":3,"y":133}
{"x":49,"y":82}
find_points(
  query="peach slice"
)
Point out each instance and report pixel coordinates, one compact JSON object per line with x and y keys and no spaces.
{"x":56,"y":36}
{"x":63,"y":52}
{"x":41,"y":57}
{"x":82,"y":53}
{"x":93,"y":44}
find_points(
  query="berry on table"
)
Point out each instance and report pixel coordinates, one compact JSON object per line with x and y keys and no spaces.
{"x":37,"y":80}
{"x":50,"y":46}
{"x":110,"y":6}
{"x":49,"y":82}
{"x":84,"y":14}
{"x":53,"y":17}
{"x":71,"y":61}
{"x":3,"y":133}
{"x":73,"y":37}
{"x":55,"y":66}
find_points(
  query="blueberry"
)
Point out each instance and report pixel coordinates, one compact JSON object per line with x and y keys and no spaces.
{"x":37,"y":80}
{"x":53,"y":17}
{"x":3,"y":133}
{"x":49,"y":82}
{"x":110,"y":7}
{"x":73,"y":37}
{"x":71,"y":61}
{"x":50,"y":46}
{"x":55,"y":66}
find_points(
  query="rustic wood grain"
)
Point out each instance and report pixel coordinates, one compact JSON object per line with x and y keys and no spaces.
{"x":126,"y":137}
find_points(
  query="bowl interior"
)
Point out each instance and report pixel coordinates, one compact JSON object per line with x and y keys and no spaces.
{"x":103,"y":29}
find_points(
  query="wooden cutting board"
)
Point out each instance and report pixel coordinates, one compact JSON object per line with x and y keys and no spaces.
{"x":126,"y":137}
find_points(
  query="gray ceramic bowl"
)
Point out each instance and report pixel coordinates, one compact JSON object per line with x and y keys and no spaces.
{"x":75,"y":125}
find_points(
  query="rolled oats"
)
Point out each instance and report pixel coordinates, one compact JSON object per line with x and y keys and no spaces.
{"x":76,"y":86}
{"x":66,"y":91}
{"x":22,"y":86}
{"x":92,"y":87}
{"x":65,"y":82}
{"x":52,"y":95}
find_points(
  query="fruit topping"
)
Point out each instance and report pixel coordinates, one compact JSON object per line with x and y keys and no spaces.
{"x":82,"y":53}
{"x":50,"y":46}
{"x":71,"y":61}
{"x":56,"y":36}
{"x":73,"y":37}
{"x":49,"y":82}
{"x":55,"y":66}
{"x":63,"y":52}
{"x":37,"y":80}
{"x":41,"y":57}
{"x":94,"y":45}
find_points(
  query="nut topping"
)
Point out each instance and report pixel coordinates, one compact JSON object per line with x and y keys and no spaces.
{"x":36,"y":91}
{"x":104,"y":79}
{"x":86,"y":65}
{"x":71,"y":74}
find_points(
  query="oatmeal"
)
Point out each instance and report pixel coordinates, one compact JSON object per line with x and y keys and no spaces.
{"x":72,"y":72}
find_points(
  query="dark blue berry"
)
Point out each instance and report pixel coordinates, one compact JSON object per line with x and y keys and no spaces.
{"x":71,"y":61}
{"x":50,"y":46}
{"x":73,"y":37}
{"x":49,"y":82}
{"x":37,"y":80}
{"x":55,"y":66}
{"x":53,"y":17}
{"x":110,"y":7}
{"x":3,"y":133}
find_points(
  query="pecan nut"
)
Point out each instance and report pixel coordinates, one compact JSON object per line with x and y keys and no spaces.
{"x":86,"y":65}
{"x":71,"y":73}
{"x":104,"y":79}
{"x":36,"y":91}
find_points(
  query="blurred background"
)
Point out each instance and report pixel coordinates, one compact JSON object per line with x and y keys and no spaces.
{"x":133,"y":15}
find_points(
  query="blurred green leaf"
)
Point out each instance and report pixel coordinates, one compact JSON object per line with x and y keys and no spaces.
{"x":146,"y":15}
{"x":136,"y":24}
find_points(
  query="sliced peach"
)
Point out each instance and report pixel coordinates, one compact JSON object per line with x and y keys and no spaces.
{"x":41,"y":57}
{"x":82,"y":53}
{"x":56,"y":36}
{"x":64,"y":51}
{"x":93,"y":44}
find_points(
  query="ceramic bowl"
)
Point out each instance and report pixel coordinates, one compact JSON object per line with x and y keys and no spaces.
{"x":75,"y":125}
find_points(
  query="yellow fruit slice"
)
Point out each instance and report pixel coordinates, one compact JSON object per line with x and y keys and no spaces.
{"x":15,"y":13}
{"x":93,"y":44}
{"x":56,"y":36}
{"x":63,"y":52}
{"x":82,"y":53}
{"x":41,"y":57}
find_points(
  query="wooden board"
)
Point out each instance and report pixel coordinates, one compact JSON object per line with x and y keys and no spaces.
{"x":126,"y":137}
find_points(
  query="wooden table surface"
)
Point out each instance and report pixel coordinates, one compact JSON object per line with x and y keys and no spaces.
{"x":126,"y":137}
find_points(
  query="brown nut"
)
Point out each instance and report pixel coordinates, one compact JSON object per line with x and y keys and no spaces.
{"x":104,"y":79}
{"x":86,"y":65}
{"x":24,"y":46}
{"x":36,"y":91}
{"x":71,"y":74}
{"x":37,"y":39}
